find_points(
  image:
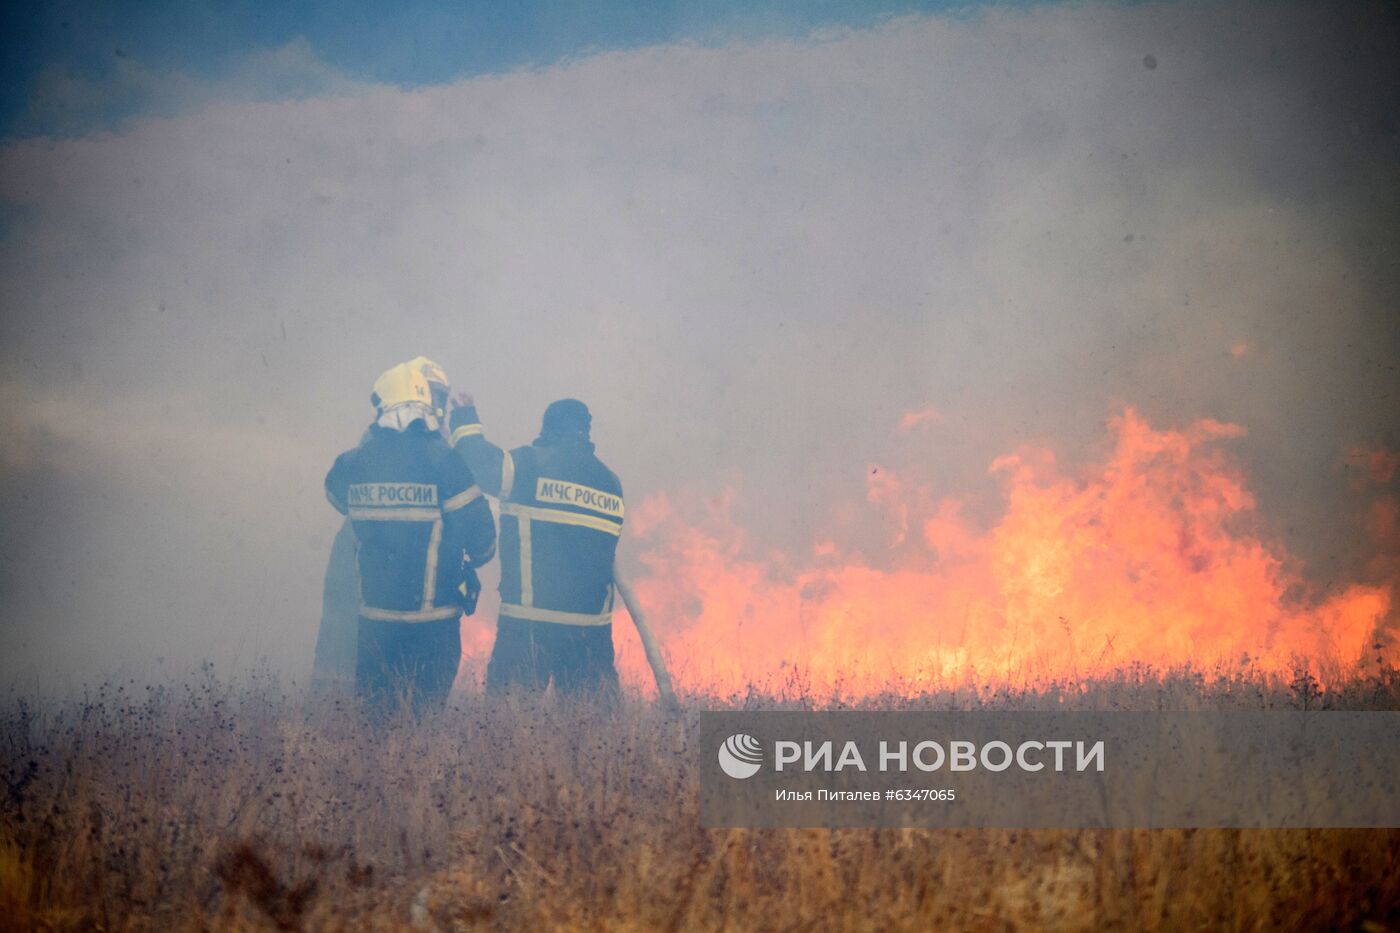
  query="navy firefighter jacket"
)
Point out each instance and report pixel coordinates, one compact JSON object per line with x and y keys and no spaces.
{"x":419,"y":518}
{"x":561,"y":518}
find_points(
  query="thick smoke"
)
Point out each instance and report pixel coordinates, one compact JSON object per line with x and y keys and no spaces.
{"x":751,"y":261}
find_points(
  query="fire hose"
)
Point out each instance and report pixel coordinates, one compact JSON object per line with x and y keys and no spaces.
{"x":649,"y":644}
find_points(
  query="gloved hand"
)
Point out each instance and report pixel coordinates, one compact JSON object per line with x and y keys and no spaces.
{"x":469,"y":590}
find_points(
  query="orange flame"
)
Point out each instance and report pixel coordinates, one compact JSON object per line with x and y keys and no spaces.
{"x":1144,"y":558}
{"x":925,"y":416}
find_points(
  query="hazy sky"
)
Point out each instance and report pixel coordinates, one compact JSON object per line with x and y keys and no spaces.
{"x":751,"y":250}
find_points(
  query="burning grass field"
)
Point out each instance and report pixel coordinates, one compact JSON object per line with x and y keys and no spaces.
{"x":209,"y":805}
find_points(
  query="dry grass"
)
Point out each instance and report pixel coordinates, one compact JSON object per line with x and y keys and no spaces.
{"x":207,"y":805}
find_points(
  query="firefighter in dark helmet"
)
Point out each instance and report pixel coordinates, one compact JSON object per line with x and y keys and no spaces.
{"x":421,"y":525}
{"x":561,"y":517}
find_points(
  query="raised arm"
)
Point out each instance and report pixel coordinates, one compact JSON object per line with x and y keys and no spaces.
{"x":493,"y":467}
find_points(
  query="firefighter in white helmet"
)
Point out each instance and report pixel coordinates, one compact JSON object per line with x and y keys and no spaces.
{"x":334,"y":666}
{"x":421,"y":525}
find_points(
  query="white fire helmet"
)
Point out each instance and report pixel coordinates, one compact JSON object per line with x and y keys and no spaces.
{"x":402,"y":396}
{"x":437,"y":382}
